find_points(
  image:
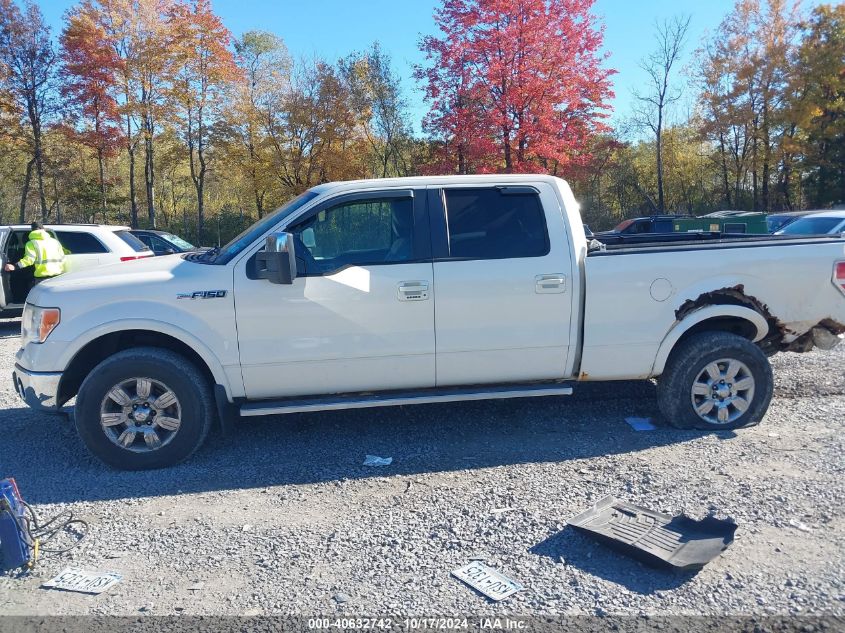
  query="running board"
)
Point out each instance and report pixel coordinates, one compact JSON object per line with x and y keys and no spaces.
{"x":392,"y":399}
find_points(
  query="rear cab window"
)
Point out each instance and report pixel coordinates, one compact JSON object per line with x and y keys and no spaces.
{"x":495,"y":223}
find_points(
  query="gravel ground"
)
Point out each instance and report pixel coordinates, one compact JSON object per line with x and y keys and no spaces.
{"x":282,"y":518}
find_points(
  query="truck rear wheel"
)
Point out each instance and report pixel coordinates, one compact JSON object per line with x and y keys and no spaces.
{"x":715,"y":381}
{"x":144,"y":408}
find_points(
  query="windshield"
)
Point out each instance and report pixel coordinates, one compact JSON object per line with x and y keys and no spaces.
{"x":178,"y":241}
{"x":258,"y":229}
{"x":811,"y":226}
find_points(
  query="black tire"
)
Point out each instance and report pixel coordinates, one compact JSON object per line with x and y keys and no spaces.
{"x":180,"y":376}
{"x":688,"y":363}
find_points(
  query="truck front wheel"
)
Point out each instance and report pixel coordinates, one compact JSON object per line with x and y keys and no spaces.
{"x":715,"y":381}
{"x":144,"y":408}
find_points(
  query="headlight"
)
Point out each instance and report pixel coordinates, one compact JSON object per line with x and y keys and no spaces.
{"x":37,"y":323}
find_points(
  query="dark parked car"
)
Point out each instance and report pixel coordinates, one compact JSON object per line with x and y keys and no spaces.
{"x":651,"y":224}
{"x":777,"y":221}
{"x":163,"y":243}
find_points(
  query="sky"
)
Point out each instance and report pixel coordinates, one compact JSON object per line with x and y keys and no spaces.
{"x":334,"y":28}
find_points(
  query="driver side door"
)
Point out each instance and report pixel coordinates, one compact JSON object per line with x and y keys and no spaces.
{"x":360,"y":314}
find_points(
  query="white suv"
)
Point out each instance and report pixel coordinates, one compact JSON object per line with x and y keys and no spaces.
{"x":90,"y":245}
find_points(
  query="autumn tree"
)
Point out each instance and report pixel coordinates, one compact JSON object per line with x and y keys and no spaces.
{"x":29,"y":72}
{"x":746,"y":77}
{"x":253,"y":101}
{"x":816,"y":105}
{"x":120,"y":21}
{"x":721,"y":121}
{"x":659,"y":94}
{"x":16,"y":161}
{"x":90,"y":82}
{"x":155,"y":67}
{"x":206,"y":68}
{"x":382,"y":109}
{"x":527,"y":76}
{"x":311,"y":131}
{"x":457,"y":119}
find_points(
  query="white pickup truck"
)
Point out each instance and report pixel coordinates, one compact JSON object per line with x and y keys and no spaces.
{"x":416,"y":290}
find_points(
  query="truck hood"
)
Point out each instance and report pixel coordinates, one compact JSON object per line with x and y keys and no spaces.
{"x":122,"y":278}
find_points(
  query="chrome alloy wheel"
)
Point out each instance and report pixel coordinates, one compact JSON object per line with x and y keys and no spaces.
{"x":723,"y":391}
{"x":140,"y":415}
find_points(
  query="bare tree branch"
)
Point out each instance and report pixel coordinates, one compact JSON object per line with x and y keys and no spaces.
{"x":670,"y":36}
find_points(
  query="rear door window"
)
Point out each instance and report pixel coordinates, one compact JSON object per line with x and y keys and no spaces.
{"x":146,"y":239}
{"x":495,"y":223}
{"x":80,"y":243}
{"x":158,"y":245}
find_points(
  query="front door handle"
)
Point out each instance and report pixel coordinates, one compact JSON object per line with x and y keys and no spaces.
{"x":413,"y":291}
{"x":554,"y":283}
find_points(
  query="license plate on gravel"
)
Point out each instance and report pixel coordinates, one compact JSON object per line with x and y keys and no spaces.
{"x":486,"y":580}
{"x":72,"y":579}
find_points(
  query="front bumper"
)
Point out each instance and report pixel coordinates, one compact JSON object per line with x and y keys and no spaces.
{"x":39,"y":390}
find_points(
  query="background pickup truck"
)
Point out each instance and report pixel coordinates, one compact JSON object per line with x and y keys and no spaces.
{"x":402,"y":291}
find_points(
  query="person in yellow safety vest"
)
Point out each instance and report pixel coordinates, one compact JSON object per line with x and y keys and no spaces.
{"x":42,"y":251}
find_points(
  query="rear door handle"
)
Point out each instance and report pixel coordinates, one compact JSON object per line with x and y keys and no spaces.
{"x":413,"y":290}
{"x":554,"y":283}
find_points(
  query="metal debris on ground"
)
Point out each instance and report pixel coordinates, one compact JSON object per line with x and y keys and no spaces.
{"x":487,"y":581}
{"x":375,"y":460}
{"x":656,"y":538}
{"x":641,"y":424}
{"x":79,"y":580}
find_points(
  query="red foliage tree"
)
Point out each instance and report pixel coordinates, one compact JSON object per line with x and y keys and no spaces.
{"x":515,"y":85}
{"x":90,"y":82}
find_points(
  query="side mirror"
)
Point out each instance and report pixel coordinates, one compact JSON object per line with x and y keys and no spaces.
{"x":168,"y":251}
{"x":277,"y":262}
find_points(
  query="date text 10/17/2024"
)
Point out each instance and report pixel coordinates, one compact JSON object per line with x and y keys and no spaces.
{"x":421,"y":623}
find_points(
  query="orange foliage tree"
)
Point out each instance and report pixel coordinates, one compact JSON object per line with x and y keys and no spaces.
{"x":90,"y":82}
{"x":206,"y":68}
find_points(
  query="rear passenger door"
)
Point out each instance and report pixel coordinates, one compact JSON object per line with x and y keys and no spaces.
{"x":502,"y":284}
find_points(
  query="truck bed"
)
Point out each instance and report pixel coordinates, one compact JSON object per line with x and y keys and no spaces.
{"x":668,"y":242}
